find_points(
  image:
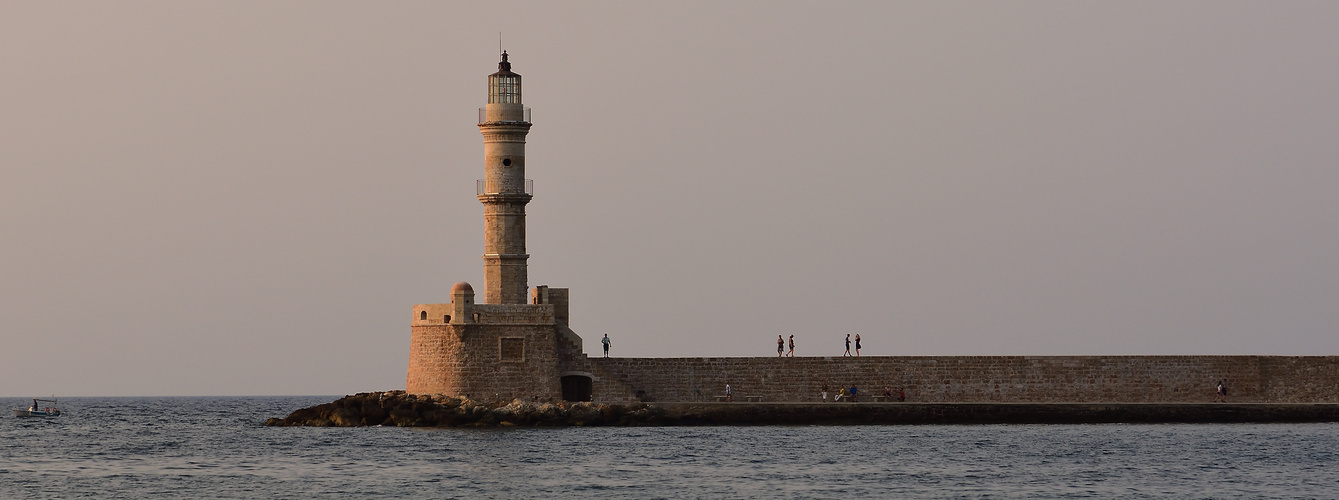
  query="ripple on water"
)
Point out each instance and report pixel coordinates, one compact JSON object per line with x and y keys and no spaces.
{"x":215,"y":448}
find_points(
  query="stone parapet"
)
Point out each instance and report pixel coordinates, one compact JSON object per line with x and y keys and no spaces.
{"x":514,"y":314}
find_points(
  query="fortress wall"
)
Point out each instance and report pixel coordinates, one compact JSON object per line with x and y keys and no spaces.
{"x":1132,"y":379}
{"x":1301,"y":378}
{"x":514,"y":314}
{"x":436,"y":314}
{"x":435,"y":359}
{"x":484,"y":362}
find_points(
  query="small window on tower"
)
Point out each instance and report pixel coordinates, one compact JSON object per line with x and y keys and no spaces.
{"x":506,"y":162}
{"x":511,"y":349}
{"x":423,"y":316}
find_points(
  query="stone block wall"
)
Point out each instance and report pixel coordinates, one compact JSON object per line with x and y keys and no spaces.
{"x":1130,"y":379}
{"x":1300,"y":378}
{"x":484,"y":362}
{"x":435,"y":357}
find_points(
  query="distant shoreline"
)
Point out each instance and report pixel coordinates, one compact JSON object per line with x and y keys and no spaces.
{"x":400,"y":409}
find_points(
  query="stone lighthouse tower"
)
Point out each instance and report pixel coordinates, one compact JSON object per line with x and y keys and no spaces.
{"x":504,"y":190}
{"x":504,"y":347}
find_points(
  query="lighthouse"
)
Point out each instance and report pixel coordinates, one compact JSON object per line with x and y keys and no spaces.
{"x":503,"y":347}
{"x":504,"y":190}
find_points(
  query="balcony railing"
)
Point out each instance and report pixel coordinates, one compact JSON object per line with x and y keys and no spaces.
{"x":483,"y":117}
{"x":482,"y":186}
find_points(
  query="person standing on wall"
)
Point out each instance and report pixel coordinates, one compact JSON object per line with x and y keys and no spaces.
{"x":791,"y":353}
{"x":780,"y":346}
{"x":857,"y":344}
{"x":605,"y":341}
{"x":848,"y":345}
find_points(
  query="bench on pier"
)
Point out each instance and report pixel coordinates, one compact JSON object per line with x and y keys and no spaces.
{"x":753,"y":399}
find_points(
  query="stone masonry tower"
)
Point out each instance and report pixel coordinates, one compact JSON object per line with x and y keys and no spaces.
{"x":516,"y":342}
{"x":504,"y":190}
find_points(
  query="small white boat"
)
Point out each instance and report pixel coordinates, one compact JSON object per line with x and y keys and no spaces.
{"x":38,"y":409}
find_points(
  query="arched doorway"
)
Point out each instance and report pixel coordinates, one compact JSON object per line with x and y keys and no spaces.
{"x":577,"y":388}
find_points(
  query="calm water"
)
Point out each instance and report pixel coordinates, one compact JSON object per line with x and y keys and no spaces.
{"x":217,"y":448}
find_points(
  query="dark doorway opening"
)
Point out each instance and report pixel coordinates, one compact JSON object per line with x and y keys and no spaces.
{"x":576,"y":388}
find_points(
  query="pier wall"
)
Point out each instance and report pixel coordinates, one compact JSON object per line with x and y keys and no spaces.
{"x":1013,"y":379}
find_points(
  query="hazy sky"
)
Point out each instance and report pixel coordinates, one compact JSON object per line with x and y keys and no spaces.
{"x":247,"y":198}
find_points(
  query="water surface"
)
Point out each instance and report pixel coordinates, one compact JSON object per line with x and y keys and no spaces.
{"x":217,"y":448}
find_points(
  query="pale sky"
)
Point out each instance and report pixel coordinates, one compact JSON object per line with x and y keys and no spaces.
{"x":247,"y":198}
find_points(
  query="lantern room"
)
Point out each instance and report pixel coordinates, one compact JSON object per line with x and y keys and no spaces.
{"x":504,"y":87}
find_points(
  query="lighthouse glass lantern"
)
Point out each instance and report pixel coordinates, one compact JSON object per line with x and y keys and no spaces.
{"x":504,"y":87}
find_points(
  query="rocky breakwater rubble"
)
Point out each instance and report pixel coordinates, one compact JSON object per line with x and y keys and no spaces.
{"x":411,"y":410}
{"x":415,"y":410}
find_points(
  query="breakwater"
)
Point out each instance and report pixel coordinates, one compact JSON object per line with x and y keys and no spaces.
{"x":408,"y":410}
{"x":980,"y":379}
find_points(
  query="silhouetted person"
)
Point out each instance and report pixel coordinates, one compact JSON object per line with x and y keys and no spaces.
{"x":605,"y":341}
{"x":780,"y":346}
{"x":848,"y":345}
{"x":791,"y":353}
{"x":857,"y":344}
{"x":1222,"y":392}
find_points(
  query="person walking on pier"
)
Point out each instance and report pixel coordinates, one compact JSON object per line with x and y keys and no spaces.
{"x":848,"y":345}
{"x":857,"y":345}
{"x":825,"y":392}
{"x":791,"y":353}
{"x":729,"y":396}
{"x":780,"y":346}
{"x":1222,"y":392}
{"x":605,"y":341}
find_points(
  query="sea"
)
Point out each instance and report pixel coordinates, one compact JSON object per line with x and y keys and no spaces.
{"x":218,"y":447}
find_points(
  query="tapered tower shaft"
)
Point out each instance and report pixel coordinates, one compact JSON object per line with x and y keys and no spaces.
{"x":504,"y":191}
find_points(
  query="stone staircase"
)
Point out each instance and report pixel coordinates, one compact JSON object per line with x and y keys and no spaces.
{"x":606,"y":388}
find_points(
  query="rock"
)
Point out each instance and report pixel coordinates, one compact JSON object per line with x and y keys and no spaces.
{"x":345,"y":417}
